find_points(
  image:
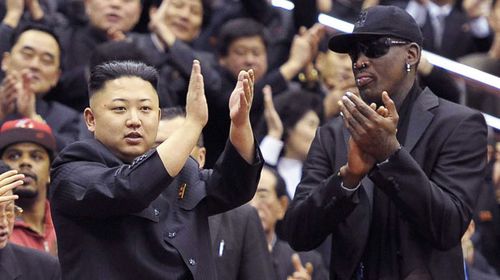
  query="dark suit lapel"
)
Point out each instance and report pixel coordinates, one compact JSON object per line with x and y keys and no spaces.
{"x":420,"y":118}
{"x":214,"y":225}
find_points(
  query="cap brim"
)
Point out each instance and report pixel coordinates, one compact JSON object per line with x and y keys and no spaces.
{"x":343,"y":43}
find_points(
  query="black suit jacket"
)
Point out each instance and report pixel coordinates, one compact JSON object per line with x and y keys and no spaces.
{"x":283,"y":266}
{"x":433,"y":181}
{"x":20,"y":263}
{"x":133,"y":221}
{"x":239,"y":245}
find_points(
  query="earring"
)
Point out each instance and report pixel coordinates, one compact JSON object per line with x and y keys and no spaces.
{"x":408,"y":67}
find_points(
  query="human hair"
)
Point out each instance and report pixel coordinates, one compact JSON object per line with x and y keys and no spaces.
{"x":113,"y":70}
{"x":280,"y":187}
{"x":117,"y":51}
{"x":236,"y":29}
{"x":207,"y":9}
{"x":171,"y":113}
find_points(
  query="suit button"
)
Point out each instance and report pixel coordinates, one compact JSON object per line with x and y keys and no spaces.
{"x":157,"y":212}
{"x":172,"y":234}
{"x":192,"y":262}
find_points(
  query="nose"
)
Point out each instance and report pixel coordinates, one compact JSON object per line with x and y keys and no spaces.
{"x":133,"y":120}
{"x":184,"y":12}
{"x":360,"y":61}
{"x":250,"y":59}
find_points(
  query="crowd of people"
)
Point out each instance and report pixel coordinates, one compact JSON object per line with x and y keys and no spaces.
{"x":231,"y":139}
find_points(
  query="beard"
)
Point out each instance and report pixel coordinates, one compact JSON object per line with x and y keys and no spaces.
{"x":24,"y":192}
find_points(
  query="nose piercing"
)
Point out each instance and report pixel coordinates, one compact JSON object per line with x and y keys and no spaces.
{"x":363,"y":65}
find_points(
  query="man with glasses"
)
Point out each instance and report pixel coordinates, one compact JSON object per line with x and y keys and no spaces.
{"x":395,"y":179}
{"x":18,"y":262}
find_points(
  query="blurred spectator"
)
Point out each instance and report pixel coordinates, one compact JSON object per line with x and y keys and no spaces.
{"x":32,"y":70}
{"x":18,"y":262}
{"x":271,"y":201}
{"x":29,"y":147}
{"x":476,"y":266}
{"x":238,"y":242}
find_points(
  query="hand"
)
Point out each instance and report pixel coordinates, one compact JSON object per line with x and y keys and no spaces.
{"x":15,"y":10}
{"x":373,"y":133}
{"x":35,"y":9}
{"x":273,"y":121}
{"x":158,"y":26}
{"x":26,"y":98}
{"x":8,"y":95}
{"x":196,"y":102}
{"x":241,"y":98}
{"x":115,"y":34}
{"x":358,"y":165}
{"x":301,"y":272}
{"x":477,"y":8}
{"x":8,"y":181}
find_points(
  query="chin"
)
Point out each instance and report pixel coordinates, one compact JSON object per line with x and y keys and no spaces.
{"x":26,"y":192}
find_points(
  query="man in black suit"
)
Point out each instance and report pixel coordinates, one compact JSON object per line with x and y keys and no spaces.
{"x":123,"y":211}
{"x":18,"y":262}
{"x":395,"y":186}
{"x":238,"y":242}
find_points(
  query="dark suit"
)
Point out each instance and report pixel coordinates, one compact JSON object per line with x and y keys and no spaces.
{"x":433,"y":183}
{"x":20,"y":263}
{"x":283,"y":266}
{"x":119,"y":221}
{"x":239,"y":245}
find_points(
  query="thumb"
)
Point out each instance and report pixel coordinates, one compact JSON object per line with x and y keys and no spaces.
{"x":389,"y":104}
{"x":309,"y":268}
{"x":297,"y":264}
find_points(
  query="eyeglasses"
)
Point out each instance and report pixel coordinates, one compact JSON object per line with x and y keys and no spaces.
{"x":11,"y":213}
{"x":374,"y":48}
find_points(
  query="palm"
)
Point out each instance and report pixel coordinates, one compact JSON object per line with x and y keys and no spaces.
{"x":240,"y":100}
{"x":359,"y":162}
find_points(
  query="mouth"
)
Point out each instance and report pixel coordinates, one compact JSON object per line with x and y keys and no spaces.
{"x":114,"y":18}
{"x":182,"y":27}
{"x":29,"y":179}
{"x":4,"y":235}
{"x":133,"y":138}
{"x":363,"y":80}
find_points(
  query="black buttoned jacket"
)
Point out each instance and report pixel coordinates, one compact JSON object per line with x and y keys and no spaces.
{"x":133,"y":221}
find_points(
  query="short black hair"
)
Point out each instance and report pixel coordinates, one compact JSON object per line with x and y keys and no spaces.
{"x":175,"y":112}
{"x":236,"y":29}
{"x":18,"y":32}
{"x":113,"y":70}
{"x":207,"y":9}
{"x":280,"y":187}
{"x":117,"y":51}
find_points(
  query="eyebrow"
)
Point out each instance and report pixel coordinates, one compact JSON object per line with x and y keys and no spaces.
{"x":44,"y":53}
{"x":126,"y":100}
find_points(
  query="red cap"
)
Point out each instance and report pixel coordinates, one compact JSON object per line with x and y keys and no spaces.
{"x":27,"y":130}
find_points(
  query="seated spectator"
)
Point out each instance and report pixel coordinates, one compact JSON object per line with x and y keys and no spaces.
{"x":271,"y":201}
{"x":476,"y":265}
{"x":32,"y":70}
{"x":238,"y":242}
{"x":28,"y":146}
{"x":18,"y":262}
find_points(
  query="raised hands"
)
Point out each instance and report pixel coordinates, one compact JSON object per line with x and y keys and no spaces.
{"x":301,"y":272}
{"x":196,"y":102}
{"x":241,"y":98}
{"x":16,"y":95}
{"x":8,"y":181}
{"x":273,"y":120}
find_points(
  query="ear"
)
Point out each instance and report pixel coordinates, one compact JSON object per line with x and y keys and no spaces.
{"x":413,"y":54}
{"x":89,"y":119}
{"x":5,"y":61}
{"x":56,"y":79}
{"x":283,"y":201}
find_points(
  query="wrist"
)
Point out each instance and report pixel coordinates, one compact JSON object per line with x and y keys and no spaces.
{"x":12,"y":19}
{"x":349,"y":179}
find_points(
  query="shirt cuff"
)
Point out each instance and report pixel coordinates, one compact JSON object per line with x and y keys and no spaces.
{"x":347,"y":191}
{"x":271,"y":149}
{"x":479,"y":27}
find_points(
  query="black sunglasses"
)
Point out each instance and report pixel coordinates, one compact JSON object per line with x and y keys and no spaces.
{"x":374,"y":48}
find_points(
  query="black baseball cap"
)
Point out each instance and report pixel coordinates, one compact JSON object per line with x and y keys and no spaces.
{"x":378,"y":21}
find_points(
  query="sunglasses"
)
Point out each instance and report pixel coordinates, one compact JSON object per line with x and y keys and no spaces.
{"x":374,"y":48}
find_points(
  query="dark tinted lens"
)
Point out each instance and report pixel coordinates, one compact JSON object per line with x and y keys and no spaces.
{"x":375,"y":48}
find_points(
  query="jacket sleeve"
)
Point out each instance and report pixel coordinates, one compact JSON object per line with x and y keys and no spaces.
{"x":233,"y":181}
{"x":319,"y":202}
{"x":92,"y":189}
{"x":439,"y":203}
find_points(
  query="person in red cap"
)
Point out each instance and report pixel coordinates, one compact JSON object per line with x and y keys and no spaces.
{"x":394,"y":186}
{"x":28,"y":146}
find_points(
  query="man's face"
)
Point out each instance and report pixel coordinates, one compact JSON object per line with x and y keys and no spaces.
{"x":244,"y":54}
{"x":124,"y":116}
{"x":121,"y":15}
{"x":33,"y":161}
{"x":383,"y":73}
{"x":37,"y":52}
{"x":184,"y":18}
{"x":266,"y":201}
{"x":7,"y":218}
{"x":300,"y":137}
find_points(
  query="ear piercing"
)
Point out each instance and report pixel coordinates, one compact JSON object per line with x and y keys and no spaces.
{"x":408,"y":67}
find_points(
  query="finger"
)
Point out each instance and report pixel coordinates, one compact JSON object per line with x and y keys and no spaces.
{"x":8,"y":198}
{"x":251,"y":73}
{"x":10,"y":187}
{"x":346,"y":115}
{"x":8,"y":174}
{"x":354,"y":117}
{"x":309,"y":268}
{"x":247,"y":96}
{"x":361,"y":105}
{"x":381,"y":111}
{"x":196,"y":79}
{"x":11,"y":179}
{"x":373,"y":106}
{"x":389,"y":104}
{"x":297,"y":264}
{"x":268,"y":98}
